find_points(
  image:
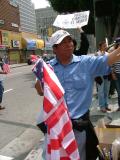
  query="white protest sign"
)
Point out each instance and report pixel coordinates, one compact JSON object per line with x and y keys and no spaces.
{"x":75,"y":20}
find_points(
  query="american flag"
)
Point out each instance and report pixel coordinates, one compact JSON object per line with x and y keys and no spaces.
{"x":6,"y":68}
{"x":61,"y":143}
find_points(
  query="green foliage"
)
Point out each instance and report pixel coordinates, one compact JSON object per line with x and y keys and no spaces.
{"x":65,"y":6}
{"x":70,"y":6}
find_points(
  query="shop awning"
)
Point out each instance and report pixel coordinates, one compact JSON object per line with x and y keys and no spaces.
{"x":32,"y":44}
{"x":40,"y":43}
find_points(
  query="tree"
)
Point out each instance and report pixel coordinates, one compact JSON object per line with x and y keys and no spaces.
{"x":71,"y":6}
{"x":66,"y":6}
{"x":109,"y":11}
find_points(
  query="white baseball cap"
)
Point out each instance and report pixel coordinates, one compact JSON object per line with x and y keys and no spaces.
{"x":58,"y":36}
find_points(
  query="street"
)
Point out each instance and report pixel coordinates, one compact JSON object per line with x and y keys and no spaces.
{"x":20,"y":139}
{"x":21,"y":108}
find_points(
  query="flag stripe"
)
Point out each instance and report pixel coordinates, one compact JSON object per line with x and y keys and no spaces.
{"x":61,"y":143}
{"x":71,"y":148}
{"x":53,"y":76}
{"x":54,"y":118}
{"x":49,"y":105}
{"x":55,"y":143}
{"x":64,"y":158}
{"x":67,"y":139}
{"x":52,"y":85}
{"x":65,"y":130}
{"x":49,"y":148}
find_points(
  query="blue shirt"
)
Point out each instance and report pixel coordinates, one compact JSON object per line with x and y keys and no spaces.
{"x":77,"y":79}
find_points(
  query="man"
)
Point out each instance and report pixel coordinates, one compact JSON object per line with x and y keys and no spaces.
{"x":1,"y":83}
{"x":76,"y":74}
{"x":104,"y":86}
{"x":116,"y":72}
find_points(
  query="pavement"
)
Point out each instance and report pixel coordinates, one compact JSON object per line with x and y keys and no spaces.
{"x":99,"y":119}
{"x":18,"y":65}
{"x":109,"y":119}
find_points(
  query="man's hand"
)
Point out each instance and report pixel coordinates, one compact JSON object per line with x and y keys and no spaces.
{"x":38,"y":87}
{"x":80,"y":30}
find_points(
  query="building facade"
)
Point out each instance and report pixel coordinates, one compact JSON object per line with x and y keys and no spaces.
{"x":10,"y":41}
{"x":30,"y":41}
{"x":27,"y":16}
{"x":18,"y":30}
{"x":44,"y":20}
{"x":9,"y":16}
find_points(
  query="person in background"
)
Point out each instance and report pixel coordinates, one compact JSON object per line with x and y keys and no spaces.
{"x":5,"y":59}
{"x":104,"y":86}
{"x":76,"y":74}
{"x":116,"y":73}
{"x":112,"y":82}
{"x":84,"y":44}
{"x":1,"y":83}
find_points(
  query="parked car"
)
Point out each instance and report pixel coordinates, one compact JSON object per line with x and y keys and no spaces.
{"x":32,"y":59}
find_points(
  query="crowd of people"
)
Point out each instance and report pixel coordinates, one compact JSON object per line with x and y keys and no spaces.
{"x":76,"y":75}
{"x":103,"y":83}
{"x":116,"y":72}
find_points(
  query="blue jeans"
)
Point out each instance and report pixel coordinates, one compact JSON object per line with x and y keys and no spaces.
{"x":1,"y":91}
{"x":103,"y":92}
{"x":117,"y":83}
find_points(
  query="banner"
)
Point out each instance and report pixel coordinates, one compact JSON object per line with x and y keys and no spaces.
{"x":76,"y":20}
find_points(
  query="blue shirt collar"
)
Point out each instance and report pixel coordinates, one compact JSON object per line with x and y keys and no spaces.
{"x":74,"y":59}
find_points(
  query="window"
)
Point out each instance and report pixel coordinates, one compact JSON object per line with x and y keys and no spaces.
{"x":14,"y":25}
{"x":1,"y":22}
{"x":13,"y":3}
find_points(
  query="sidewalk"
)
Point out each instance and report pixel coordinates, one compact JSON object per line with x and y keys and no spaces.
{"x":18,"y":65}
{"x":112,"y":119}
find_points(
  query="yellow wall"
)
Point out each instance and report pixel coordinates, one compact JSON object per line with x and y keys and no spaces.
{"x":7,"y":36}
{"x":40,"y":43}
{"x":15,"y":36}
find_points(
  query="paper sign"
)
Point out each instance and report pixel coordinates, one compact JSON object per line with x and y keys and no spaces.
{"x":75,"y":20}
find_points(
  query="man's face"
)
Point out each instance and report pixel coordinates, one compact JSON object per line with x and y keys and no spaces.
{"x":103,"y":47}
{"x":65,"y":48}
